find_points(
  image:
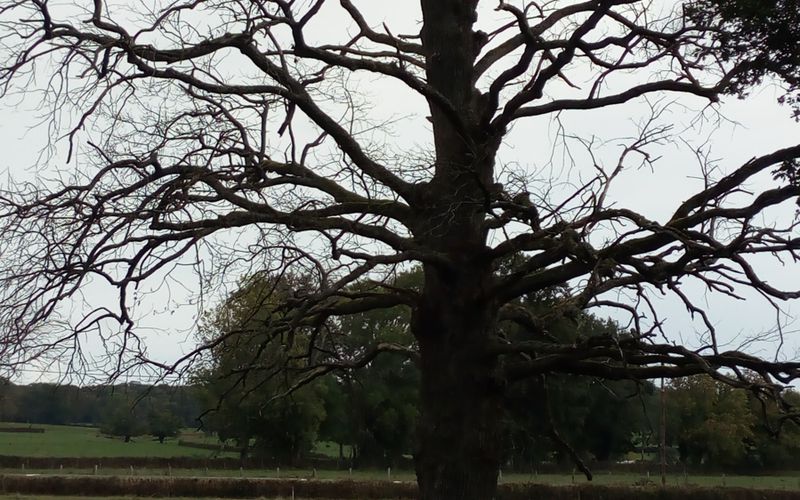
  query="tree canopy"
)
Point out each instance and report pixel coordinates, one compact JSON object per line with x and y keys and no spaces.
{"x":248,"y":375}
{"x":230,"y":138}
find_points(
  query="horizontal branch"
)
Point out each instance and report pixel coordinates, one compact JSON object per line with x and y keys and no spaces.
{"x":710,"y":93}
{"x":633,"y":359}
{"x":544,"y":269}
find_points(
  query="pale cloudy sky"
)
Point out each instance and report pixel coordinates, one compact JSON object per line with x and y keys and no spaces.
{"x":750,"y":127}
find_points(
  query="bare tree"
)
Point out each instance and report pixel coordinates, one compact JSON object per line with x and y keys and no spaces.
{"x":224,"y":134}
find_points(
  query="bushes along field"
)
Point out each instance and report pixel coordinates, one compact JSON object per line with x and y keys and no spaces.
{"x":270,"y":488}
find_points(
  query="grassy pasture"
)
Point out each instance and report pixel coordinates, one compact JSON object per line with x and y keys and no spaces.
{"x":78,"y":441}
{"x":69,"y":441}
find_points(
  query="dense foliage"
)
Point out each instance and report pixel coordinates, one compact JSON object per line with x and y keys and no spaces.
{"x":760,"y":37}
{"x":254,"y":406}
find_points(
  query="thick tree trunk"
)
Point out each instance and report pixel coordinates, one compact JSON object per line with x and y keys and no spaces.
{"x":459,"y":448}
{"x":459,"y":432}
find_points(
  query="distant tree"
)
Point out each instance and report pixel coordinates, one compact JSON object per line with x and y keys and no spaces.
{"x":229,"y":418}
{"x":186,"y":404}
{"x":374,"y":411}
{"x":339,"y":425}
{"x":45,"y":403}
{"x":775,"y":441}
{"x":709,"y":421}
{"x":123,"y":420}
{"x":254,"y":405}
{"x":572,"y":418}
{"x":616,"y":417}
{"x":383,"y":397}
{"x":8,"y":400}
{"x":91,"y":404}
{"x":288,"y":427}
{"x":163,"y":423}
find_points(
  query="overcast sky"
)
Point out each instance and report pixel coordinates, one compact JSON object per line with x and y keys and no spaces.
{"x":751,"y":127}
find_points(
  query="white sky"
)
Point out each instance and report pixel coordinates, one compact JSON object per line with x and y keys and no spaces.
{"x":757,"y":126}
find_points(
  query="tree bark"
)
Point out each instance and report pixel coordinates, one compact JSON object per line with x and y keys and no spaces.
{"x":459,"y":432}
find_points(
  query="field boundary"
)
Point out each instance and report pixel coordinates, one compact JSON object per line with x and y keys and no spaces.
{"x":327,"y":463}
{"x":194,"y":487}
{"x":367,"y":490}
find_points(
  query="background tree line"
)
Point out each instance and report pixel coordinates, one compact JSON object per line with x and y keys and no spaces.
{"x":371,"y":413}
{"x":125,"y":410}
{"x":371,"y":416}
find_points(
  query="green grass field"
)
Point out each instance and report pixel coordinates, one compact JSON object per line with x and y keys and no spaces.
{"x":68,"y":441}
{"x":77,"y":441}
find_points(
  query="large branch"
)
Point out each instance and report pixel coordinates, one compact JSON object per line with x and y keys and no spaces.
{"x":563,"y":244}
{"x":144,"y":56}
{"x":397,"y":71}
{"x":507,"y":47}
{"x":637,"y":360}
{"x":632,"y":93}
{"x":535,"y":88}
